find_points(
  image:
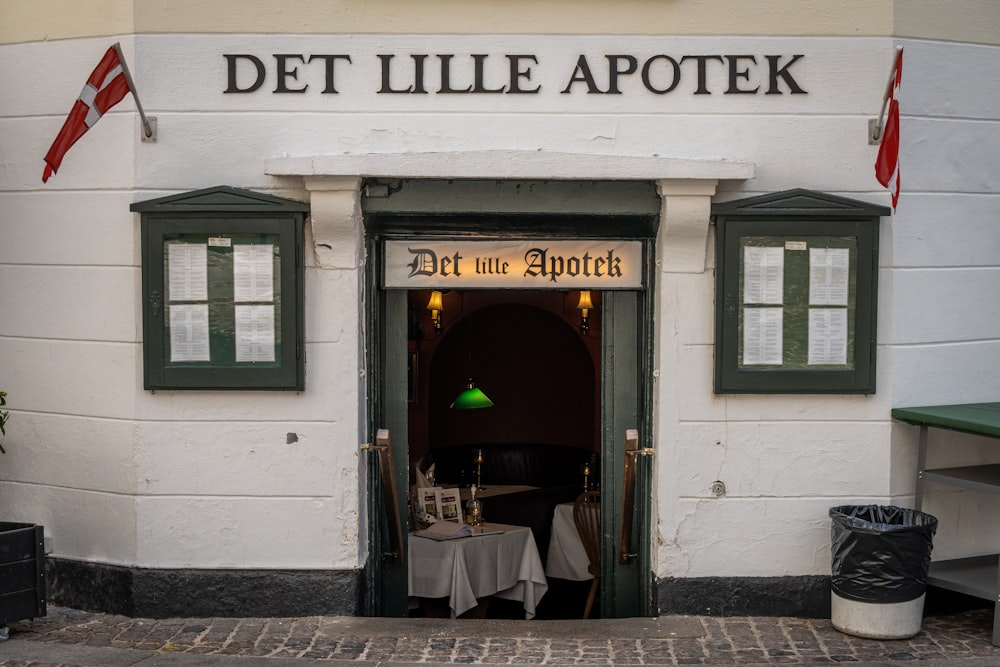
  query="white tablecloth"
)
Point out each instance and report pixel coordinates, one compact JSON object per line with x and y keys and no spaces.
{"x":567,"y":558}
{"x":506,"y":565}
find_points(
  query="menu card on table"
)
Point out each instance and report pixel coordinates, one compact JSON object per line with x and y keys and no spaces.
{"x":449,"y":530}
{"x":441,"y":503}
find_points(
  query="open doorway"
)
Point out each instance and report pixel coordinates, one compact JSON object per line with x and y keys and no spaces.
{"x":393,"y":567}
{"x":538,"y":446}
{"x":510,"y":260}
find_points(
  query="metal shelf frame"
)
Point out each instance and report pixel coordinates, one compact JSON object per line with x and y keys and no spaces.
{"x":978,"y":576}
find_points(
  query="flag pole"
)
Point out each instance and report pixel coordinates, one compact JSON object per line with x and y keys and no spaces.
{"x":147,"y":130}
{"x":877,"y":134}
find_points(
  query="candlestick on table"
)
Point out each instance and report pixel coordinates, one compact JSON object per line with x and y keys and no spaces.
{"x":479,"y":468}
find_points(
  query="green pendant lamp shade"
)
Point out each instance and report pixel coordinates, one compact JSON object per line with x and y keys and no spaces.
{"x":472,"y":397}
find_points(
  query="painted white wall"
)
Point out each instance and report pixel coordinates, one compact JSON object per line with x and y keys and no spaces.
{"x":69,"y":292}
{"x":786,"y":460}
{"x":942,"y":258}
{"x":165,"y":479}
{"x":226,"y":136}
{"x":942,"y":261}
{"x":208,"y":479}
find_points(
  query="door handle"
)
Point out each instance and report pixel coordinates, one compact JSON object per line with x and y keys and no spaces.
{"x":632,"y":453}
{"x":383,"y":454}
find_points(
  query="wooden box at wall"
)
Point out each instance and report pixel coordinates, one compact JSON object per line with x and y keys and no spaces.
{"x":22,"y":572}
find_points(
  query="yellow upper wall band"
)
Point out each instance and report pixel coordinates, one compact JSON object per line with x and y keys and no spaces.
{"x":34,"y":21}
{"x":956,"y":20}
{"x":975,"y":21}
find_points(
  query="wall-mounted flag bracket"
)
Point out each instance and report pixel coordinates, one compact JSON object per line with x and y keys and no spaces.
{"x":151,"y":125}
{"x":148,"y":133}
{"x":874,"y":132}
{"x":876,"y":125}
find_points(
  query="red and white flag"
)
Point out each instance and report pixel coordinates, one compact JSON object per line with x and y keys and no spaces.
{"x":106,"y":87}
{"x":887,"y":162}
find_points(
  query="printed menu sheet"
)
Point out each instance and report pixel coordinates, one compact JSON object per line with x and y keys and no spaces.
{"x":763,"y":274}
{"x":763,"y":336}
{"x":253,"y":272}
{"x":828,"y":272}
{"x":254,"y":333}
{"x":827,"y":336}
{"x":189,"y":332}
{"x":187,"y":276}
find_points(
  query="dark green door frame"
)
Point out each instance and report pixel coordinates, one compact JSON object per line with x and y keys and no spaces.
{"x":626,"y":589}
{"x":386,"y":573}
{"x":626,"y":369}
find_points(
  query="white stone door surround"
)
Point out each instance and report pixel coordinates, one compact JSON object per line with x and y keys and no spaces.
{"x":685,"y":187}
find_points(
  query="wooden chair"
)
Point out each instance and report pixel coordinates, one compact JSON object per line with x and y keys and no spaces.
{"x":587,"y":517}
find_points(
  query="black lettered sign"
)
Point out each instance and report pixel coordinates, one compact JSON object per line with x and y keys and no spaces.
{"x":539,"y":264}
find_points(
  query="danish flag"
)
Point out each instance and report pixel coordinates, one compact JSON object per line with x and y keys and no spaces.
{"x":106,"y":87}
{"x":887,"y":162}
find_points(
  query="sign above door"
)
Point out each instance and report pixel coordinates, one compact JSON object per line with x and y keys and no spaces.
{"x":606,"y":264}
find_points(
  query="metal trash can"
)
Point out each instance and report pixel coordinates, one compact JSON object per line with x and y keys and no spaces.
{"x":880,"y":558}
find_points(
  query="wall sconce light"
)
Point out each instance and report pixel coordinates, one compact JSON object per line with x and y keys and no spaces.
{"x":436,"y":306}
{"x":585,"y":306}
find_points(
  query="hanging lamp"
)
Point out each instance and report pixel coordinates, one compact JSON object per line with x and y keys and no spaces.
{"x":472,"y":397}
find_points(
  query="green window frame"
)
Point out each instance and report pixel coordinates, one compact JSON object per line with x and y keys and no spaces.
{"x":223,"y":285}
{"x":796,"y":294}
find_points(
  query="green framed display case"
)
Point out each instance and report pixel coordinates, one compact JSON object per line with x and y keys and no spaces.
{"x":222,"y":288}
{"x":796,"y":294}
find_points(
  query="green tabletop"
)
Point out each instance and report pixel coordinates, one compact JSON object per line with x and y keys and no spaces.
{"x":979,"y":418}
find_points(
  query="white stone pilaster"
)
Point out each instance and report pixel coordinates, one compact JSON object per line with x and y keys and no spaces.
{"x":684,"y":223}
{"x":335,"y":221}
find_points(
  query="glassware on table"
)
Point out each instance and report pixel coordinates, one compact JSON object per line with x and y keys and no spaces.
{"x":474,"y":510}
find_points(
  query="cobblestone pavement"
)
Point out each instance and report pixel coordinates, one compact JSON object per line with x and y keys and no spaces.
{"x":669,"y":640}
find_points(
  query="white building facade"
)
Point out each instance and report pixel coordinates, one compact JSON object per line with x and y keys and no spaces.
{"x":152,"y":497}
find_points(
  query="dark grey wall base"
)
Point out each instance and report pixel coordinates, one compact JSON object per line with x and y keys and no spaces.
{"x":90,"y":586}
{"x":156,"y":593}
{"x":803,"y":597}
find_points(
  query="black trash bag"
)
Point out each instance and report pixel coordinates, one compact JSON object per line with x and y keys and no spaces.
{"x":881,"y":553}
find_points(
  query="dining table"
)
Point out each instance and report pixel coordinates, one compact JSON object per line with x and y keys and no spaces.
{"x":567,"y":559}
{"x":500,"y":560}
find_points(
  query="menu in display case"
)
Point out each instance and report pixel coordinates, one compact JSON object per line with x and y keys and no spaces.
{"x":222,"y":276}
{"x":796,"y":294}
{"x":796,"y":300}
{"x":230,"y":319}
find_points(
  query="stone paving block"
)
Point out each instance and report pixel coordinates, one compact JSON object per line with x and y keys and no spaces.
{"x":688,"y":640}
